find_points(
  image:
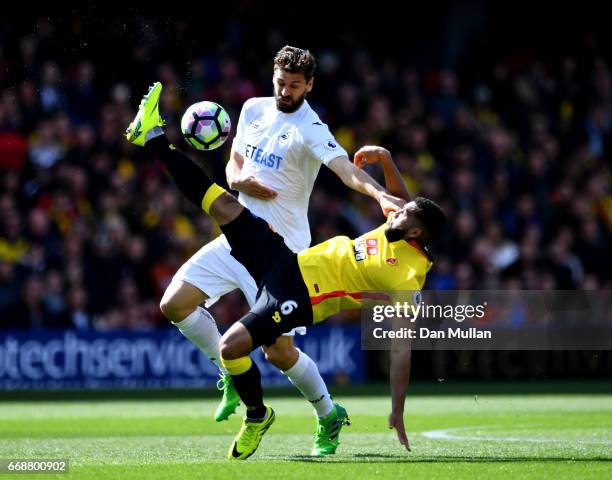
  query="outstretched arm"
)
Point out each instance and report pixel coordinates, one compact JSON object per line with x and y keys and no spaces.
{"x":360,"y":181}
{"x":393,"y":178}
{"x":399,"y":373}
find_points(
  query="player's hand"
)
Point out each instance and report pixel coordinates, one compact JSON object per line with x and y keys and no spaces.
{"x":396,"y":421}
{"x":390,"y":204}
{"x":370,"y":154}
{"x":251,"y":186}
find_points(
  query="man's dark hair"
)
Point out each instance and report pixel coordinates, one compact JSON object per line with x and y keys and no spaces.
{"x":432,"y":219}
{"x":295,"y":60}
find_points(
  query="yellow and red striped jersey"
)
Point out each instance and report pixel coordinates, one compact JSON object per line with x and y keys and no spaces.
{"x":341,"y":272}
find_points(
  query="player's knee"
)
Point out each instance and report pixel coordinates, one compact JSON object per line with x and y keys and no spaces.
{"x":174,"y":310}
{"x":180,"y":300}
{"x":281,"y":355}
{"x":272,"y":356}
{"x":228,"y":349}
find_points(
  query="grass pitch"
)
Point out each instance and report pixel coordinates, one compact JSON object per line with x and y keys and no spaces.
{"x":458,"y":436}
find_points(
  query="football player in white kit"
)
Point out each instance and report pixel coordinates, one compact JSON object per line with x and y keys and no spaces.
{"x":279,"y":146}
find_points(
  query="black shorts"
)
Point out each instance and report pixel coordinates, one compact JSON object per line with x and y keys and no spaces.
{"x":282,"y":302}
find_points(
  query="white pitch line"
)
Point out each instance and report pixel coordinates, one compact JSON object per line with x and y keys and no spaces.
{"x":448,"y":434}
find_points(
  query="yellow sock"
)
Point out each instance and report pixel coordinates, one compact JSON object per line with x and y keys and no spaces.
{"x":213,"y":192}
{"x":237,"y":366}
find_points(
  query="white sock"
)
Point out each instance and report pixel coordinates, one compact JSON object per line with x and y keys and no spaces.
{"x":306,"y":377}
{"x":201,"y":330}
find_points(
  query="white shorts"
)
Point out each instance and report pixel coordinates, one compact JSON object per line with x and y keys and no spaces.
{"x":214,"y":271}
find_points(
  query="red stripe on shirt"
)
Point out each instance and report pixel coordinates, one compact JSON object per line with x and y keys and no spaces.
{"x":355,"y":295}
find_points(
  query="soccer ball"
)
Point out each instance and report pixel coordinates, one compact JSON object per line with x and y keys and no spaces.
{"x":206,"y":125}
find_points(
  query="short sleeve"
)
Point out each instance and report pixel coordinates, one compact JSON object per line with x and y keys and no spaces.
{"x":321,"y":143}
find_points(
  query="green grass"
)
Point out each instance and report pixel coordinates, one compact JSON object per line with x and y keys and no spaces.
{"x":490,"y":436}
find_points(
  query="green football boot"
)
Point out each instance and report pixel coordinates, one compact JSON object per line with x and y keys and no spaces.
{"x":249,"y":436}
{"x":147,"y":117}
{"x":326,"y":438}
{"x":230,"y":399}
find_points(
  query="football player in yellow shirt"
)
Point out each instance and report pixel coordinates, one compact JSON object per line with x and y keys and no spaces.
{"x":305,"y":288}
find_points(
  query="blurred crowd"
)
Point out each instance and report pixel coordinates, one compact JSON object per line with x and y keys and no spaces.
{"x":92,"y":229}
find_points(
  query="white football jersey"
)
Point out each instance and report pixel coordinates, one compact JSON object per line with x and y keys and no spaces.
{"x":284,"y":151}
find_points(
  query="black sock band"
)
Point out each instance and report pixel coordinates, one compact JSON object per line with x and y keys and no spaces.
{"x":248,"y":386}
{"x":191,"y":180}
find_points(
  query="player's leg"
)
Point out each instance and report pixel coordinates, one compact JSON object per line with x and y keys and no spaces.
{"x":200,"y":328}
{"x":299,"y":367}
{"x":146,"y":130}
{"x":208,"y":275}
{"x":269,"y":318}
{"x":181,"y":305}
{"x":214,"y":270}
{"x":236,"y":344}
{"x":181,"y":301}
{"x":305,"y":376}
{"x":302,"y":372}
{"x":194,"y":183}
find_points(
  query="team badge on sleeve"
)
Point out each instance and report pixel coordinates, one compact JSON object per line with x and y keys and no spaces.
{"x":330,"y":145}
